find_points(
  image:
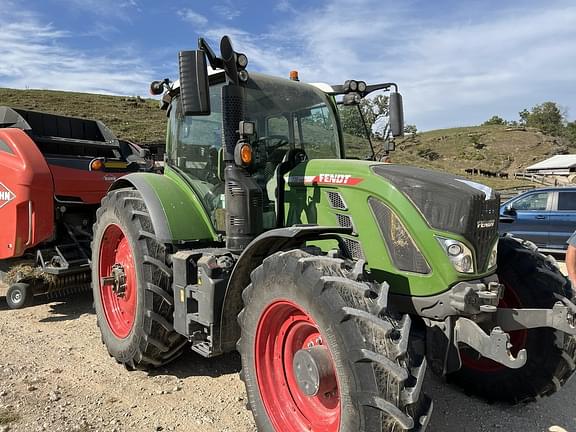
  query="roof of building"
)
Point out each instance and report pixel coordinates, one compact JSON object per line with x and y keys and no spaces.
{"x":555,"y":162}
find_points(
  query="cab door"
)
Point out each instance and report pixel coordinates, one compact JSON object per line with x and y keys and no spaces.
{"x":528,"y":217}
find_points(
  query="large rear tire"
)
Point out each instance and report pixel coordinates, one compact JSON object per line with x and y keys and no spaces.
{"x":531,"y":281}
{"x":306,"y":306}
{"x":134,"y":306}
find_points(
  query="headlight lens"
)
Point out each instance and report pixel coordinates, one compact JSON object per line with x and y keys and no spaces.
{"x":493,"y":256}
{"x":458,"y":254}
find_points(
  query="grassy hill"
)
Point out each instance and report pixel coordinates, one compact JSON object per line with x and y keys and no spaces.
{"x":132,"y":118}
{"x":493,"y":148}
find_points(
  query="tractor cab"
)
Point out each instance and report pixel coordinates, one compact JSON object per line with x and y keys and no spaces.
{"x":285,"y":122}
{"x":287,"y":117}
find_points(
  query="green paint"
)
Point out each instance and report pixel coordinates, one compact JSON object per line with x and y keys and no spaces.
{"x":309,"y":204}
{"x":186,"y":217}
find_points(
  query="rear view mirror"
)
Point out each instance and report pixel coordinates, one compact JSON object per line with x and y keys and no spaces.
{"x":396,"y":114}
{"x":194,"y":83}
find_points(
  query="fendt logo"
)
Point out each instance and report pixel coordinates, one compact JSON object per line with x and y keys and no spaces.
{"x":6,"y":195}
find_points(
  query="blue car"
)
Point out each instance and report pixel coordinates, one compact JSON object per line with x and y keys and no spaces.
{"x":546,"y":217}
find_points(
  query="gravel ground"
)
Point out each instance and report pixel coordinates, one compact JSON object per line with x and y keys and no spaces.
{"x":55,"y":375}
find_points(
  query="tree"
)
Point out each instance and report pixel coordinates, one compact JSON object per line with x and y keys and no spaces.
{"x":495,"y":120}
{"x":374,"y":110}
{"x":570,"y":132}
{"x":547,"y":117}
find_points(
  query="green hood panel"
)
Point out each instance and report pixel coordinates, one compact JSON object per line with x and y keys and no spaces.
{"x":311,"y":188}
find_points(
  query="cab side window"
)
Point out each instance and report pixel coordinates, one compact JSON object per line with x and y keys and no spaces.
{"x":533,"y":202}
{"x":567,"y":201}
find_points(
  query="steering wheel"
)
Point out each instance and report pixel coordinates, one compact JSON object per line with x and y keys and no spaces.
{"x":282,"y":140}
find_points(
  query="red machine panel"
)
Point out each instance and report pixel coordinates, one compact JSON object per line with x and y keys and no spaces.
{"x":26,"y":194}
{"x":77,"y":183}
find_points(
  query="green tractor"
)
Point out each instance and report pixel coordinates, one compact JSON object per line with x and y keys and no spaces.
{"x":338,"y":279}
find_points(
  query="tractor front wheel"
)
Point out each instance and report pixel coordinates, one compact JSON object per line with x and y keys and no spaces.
{"x":320,"y":354}
{"x":530,"y":281}
{"x":132,"y":284}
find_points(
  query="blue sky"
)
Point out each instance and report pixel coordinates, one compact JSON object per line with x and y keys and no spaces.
{"x":457,"y":62}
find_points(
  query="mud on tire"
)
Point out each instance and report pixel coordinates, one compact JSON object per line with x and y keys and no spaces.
{"x":536,"y":282}
{"x":379,"y":379}
{"x":151,"y":340}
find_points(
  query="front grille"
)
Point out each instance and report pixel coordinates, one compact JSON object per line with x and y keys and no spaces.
{"x":404,"y":253}
{"x":482,"y":229}
{"x":450,"y":203}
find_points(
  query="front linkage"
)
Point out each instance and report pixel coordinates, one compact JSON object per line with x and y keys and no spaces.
{"x":462,"y":314}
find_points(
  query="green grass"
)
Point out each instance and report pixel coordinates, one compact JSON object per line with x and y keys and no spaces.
{"x":136,"y":119}
{"x":492,"y":148}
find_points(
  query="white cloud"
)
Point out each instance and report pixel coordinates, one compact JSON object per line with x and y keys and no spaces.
{"x":193,"y":17}
{"x":453,"y":70}
{"x":227,"y":10}
{"x":35,"y":56}
{"x":120,"y":9}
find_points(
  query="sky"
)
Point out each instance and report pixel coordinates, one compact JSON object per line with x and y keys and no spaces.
{"x":457,"y":62}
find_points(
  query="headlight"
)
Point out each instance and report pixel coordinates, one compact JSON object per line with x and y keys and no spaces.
{"x":458,"y":254}
{"x":493,"y":256}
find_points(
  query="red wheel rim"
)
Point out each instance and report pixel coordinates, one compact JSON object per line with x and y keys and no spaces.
{"x":283,"y":329}
{"x":517,"y":338}
{"x":119,"y":307}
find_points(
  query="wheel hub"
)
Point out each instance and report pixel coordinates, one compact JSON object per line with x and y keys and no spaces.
{"x":314,"y":372}
{"x":16,"y":296}
{"x":117,"y":280}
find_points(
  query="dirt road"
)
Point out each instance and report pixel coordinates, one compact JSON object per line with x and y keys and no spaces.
{"x":55,"y":375}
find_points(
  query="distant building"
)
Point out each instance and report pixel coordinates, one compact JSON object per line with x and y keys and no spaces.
{"x":556,"y":165}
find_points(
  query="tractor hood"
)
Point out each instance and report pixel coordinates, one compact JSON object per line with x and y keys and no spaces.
{"x":449,"y":203}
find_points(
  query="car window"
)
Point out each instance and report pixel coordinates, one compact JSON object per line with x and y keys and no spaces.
{"x":566,"y":200}
{"x":535,"y":201}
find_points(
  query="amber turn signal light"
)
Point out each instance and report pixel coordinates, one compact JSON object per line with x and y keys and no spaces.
{"x":96,"y":165}
{"x":246,"y":154}
{"x":243,"y":154}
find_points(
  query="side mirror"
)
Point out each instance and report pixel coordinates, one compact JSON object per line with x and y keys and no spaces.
{"x":396,"y":114}
{"x":194,"y":91}
{"x":509,"y":210}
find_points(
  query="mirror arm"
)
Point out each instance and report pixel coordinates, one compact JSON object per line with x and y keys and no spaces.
{"x":215,"y":62}
{"x":368,"y":133}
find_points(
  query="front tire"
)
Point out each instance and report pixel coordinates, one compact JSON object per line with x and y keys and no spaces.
{"x":301,"y":303}
{"x":531,"y":281}
{"x":132,"y":284}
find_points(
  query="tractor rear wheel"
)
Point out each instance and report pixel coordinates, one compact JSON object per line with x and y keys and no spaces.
{"x":319,"y":353}
{"x":132,"y":284}
{"x":531,"y":281}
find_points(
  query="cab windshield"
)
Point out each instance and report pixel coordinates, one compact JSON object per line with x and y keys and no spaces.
{"x":287,"y":115}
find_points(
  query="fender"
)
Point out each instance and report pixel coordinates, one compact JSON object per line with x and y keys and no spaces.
{"x":176,"y":212}
{"x":262,"y":246}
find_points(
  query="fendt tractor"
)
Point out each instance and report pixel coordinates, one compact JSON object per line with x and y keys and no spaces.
{"x":54,"y":171}
{"x":339,"y":280}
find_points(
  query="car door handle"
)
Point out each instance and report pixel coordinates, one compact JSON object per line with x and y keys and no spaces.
{"x":540,"y":217}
